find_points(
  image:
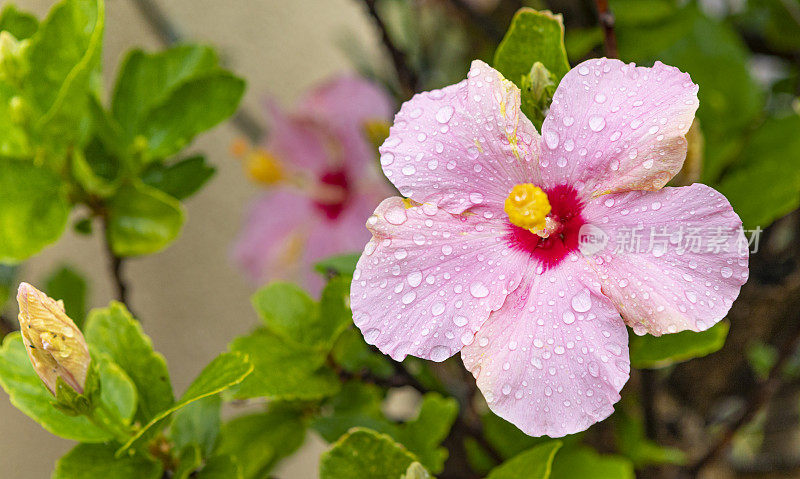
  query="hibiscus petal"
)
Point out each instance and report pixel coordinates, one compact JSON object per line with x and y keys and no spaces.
{"x":343,"y":106}
{"x":554,"y":358}
{"x":296,"y":140}
{"x":273,"y":223}
{"x":428,"y":279}
{"x":689,"y":264}
{"x":614,"y":127}
{"x":463,"y":145}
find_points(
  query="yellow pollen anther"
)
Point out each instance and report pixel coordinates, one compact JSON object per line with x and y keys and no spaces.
{"x":527,"y":207}
{"x":263,"y":167}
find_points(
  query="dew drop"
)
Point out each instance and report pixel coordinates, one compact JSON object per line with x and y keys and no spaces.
{"x":414,"y":279}
{"x":582,"y":302}
{"x":478,"y":290}
{"x":444,"y":114}
{"x":409,"y":297}
{"x":597,"y":123}
{"x":726,"y":272}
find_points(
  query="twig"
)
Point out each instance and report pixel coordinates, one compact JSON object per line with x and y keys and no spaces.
{"x":757,"y":400}
{"x":117,"y":267}
{"x":606,"y":18}
{"x":169,"y":34}
{"x":406,"y":75}
{"x":482,"y":21}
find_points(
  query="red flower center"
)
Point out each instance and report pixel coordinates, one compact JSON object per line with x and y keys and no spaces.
{"x":335,"y":193}
{"x":567,"y":212}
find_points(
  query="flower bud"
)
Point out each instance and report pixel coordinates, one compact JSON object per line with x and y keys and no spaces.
{"x":54,"y":343}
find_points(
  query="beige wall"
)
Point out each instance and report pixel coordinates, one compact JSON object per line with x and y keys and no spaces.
{"x":192,"y":301}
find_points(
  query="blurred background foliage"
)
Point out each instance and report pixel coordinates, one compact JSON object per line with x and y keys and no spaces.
{"x":118,"y":163}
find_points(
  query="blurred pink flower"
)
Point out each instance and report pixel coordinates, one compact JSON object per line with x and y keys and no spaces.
{"x":502,"y":250}
{"x":322,"y":175}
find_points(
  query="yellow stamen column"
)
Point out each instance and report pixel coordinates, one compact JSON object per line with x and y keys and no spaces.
{"x":527,"y":206}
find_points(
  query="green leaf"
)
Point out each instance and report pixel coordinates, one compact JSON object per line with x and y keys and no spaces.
{"x":90,"y":461}
{"x":69,"y":286}
{"x":654,"y":352}
{"x":29,"y":395}
{"x":147,"y":79}
{"x":18,"y":23}
{"x":64,"y":53}
{"x":223,"y":372}
{"x":289,"y":312}
{"x":15,"y":141}
{"x":534,"y":36}
{"x":359,"y":404}
{"x":355,"y":356}
{"x":341,"y":265}
{"x":195,"y":106}
{"x":8,"y":283}
{"x":189,"y":460}
{"x":258,"y":441}
{"x":198,"y":423}
{"x":761,"y":357}
{"x":423,"y":434}
{"x":143,"y":220}
{"x":113,"y":331}
{"x":634,"y":444}
{"x":580,"y":42}
{"x":506,"y":438}
{"x":717,"y":59}
{"x":770,"y":165}
{"x":96,"y":170}
{"x":220,"y":467}
{"x":365,"y":453}
{"x":117,"y":389}
{"x":581,"y":461}
{"x":534,"y":463}
{"x":283,"y":370}
{"x":33,"y":209}
{"x":179,"y":180}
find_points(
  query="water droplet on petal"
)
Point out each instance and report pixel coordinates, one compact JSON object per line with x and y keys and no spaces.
{"x":597,"y":123}
{"x":582,"y":302}
{"x":444,"y":114}
{"x":478,"y":290}
{"x":726,"y":272}
{"x":551,"y":138}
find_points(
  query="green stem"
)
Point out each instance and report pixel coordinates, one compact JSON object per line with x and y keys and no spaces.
{"x":108,"y":420}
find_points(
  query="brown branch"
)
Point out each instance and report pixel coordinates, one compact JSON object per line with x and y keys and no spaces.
{"x":117,"y":269}
{"x":606,"y":18}
{"x":406,"y":75}
{"x":757,"y":400}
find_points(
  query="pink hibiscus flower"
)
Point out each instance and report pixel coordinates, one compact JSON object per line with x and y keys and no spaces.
{"x":319,"y":166}
{"x":516,"y":249}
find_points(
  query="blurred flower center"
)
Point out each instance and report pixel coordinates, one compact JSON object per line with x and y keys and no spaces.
{"x":332,"y":193}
